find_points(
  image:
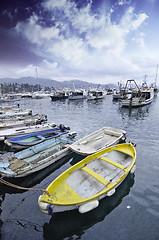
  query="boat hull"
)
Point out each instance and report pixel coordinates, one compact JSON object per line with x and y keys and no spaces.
{"x":35,"y":158}
{"x":148,"y":96}
{"x":98,"y":140}
{"x":35,"y":138}
{"x":85,"y":183}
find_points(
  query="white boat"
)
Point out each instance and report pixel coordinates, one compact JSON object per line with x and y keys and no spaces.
{"x":77,"y":94}
{"x":20,"y":131}
{"x":15,"y":122}
{"x":95,"y":94}
{"x":34,"y":158}
{"x":40,"y":95}
{"x":15,"y":113}
{"x":84,"y":184}
{"x":98,"y":140}
{"x":31,"y":139}
{"x":139,"y":96}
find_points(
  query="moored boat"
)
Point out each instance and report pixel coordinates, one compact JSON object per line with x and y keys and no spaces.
{"x":31,"y":139}
{"x":22,"y":121}
{"x":24,"y":130}
{"x":35,"y":158}
{"x":59,"y":95}
{"x":85,"y":183}
{"x":98,"y":140}
{"x":139,"y":96}
{"x":77,"y":94}
{"x":95,"y":94}
{"x":15,"y":113}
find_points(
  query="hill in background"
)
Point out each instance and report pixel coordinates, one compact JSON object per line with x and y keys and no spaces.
{"x":53,"y":83}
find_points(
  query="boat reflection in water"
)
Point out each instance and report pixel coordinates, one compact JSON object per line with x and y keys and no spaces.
{"x":67,"y":224}
{"x":137,"y":113}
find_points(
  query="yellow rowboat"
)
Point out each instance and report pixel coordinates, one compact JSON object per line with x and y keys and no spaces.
{"x":85,"y":183}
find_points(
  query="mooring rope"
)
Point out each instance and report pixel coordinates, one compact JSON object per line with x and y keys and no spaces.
{"x":22,"y":188}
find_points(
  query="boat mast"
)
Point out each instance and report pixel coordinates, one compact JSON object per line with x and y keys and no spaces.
{"x":156,"y":75}
{"x":36,"y":70}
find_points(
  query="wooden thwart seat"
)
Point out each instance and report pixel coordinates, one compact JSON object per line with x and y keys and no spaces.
{"x":118,"y":165}
{"x":95,"y":175}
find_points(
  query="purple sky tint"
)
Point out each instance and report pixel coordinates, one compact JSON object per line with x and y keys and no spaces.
{"x":99,"y":41}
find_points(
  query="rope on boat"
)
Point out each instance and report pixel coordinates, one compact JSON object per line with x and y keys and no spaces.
{"x":22,"y":188}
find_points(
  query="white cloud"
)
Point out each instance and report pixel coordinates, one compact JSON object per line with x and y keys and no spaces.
{"x":81,"y":40}
{"x":124,"y":2}
{"x":51,"y":4}
{"x":36,"y":33}
{"x":140,"y":40}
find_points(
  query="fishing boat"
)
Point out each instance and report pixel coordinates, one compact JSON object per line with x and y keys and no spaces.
{"x":139,"y":96}
{"x":77,"y":94}
{"x":22,"y":121}
{"x":59,"y":95}
{"x":24,"y":130}
{"x":93,"y":178}
{"x":99,"y":140}
{"x":34,"y":158}
{"x":95,"y":94}
{"x":28,"y":140}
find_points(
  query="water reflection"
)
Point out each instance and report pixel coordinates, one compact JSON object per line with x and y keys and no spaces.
{"x":139,"y":113}
{"x":2,"y":197}
{"x":71,"y":223}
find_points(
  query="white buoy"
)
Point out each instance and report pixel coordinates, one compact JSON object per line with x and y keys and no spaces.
{"x":133,"y":169}
{"x":43,"y":206}
{"x":88,"y":206}
{"x":111,"y":192}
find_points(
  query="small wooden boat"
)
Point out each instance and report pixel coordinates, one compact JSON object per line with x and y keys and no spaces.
{"x":98,"y":140}
{"x":85,"y":183}
{"x":24,"y":130}
{"x":15,"y":113}
{"x":25,"y":121}
{"x":28,"y":140}
{"x":34,"y":158}
{"x":73,"y":222}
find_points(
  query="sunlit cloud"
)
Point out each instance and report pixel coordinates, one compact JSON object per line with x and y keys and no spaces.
{"x":81,"y":43}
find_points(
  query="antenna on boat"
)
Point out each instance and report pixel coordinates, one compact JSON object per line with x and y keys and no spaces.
{"x":36,"y":69}
{"x":156,"y":75}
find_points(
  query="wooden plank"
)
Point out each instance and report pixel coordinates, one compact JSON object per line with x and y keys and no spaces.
{"x":95,"y":175}
{"x":118,"y":165}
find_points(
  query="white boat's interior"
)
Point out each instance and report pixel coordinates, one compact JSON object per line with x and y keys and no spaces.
{"x":92,"y":178}
{"x":98,"y":140}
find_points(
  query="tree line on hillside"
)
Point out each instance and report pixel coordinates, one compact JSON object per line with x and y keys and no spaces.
{"x":20,"y":88}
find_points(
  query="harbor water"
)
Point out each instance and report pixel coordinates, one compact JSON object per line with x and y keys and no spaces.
{"x":131,"y":213}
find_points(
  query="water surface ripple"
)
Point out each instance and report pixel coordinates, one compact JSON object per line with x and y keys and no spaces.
{"x":131,"y":213}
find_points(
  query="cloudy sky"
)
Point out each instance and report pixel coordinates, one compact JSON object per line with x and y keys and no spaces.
{"x":100,"y":41}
